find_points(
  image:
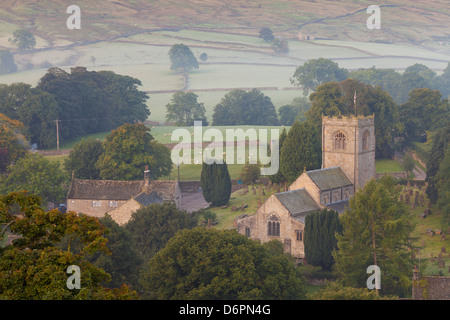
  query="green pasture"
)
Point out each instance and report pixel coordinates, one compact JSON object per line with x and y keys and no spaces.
{"x":387,"y":165}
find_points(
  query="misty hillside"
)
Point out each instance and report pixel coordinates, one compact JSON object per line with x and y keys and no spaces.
{"x":419,"y":22}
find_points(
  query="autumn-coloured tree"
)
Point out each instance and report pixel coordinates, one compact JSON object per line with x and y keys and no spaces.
{"x":33,"y":268}
{"x":13,"y":144}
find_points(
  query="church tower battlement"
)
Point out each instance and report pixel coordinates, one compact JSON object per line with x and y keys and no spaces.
{"x":349,"y":142}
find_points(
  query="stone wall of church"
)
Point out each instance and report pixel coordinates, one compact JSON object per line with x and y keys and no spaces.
{"x":304,"y":181}
{"x":257,"y":227}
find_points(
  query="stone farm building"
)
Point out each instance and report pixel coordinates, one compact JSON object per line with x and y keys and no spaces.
{"x":348,"y":162}
{"x":120,"y":198}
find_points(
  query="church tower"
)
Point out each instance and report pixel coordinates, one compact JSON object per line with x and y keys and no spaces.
{"x":349,"y":143}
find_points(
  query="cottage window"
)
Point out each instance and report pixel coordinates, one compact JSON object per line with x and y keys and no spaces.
{"x":247,"y":232}
{"x":339,"y":140}
{"x":113,"y":204}
{"x":273,"y":226}
{"x":96,"y":203}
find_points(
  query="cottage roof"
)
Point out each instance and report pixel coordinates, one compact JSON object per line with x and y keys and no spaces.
{"x":104,"y":189}
{"x":120,"y":190}
{"x":329,"y":178}
{"x":297,"y":201}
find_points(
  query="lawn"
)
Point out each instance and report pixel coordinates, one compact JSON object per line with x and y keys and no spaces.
{"x":387,"y":165}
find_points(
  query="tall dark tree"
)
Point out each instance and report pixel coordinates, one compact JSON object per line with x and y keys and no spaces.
{"x":441,"y":141}
{"x":320,"y":239}
{"x":216,"y":183}
{"x":425,"y":110}
{"x":301,"y":150}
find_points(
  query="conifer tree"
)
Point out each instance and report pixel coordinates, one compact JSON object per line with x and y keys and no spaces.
{"x":216,"y":183}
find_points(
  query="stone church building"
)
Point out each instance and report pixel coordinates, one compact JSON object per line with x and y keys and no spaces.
{"x":348,"y":162}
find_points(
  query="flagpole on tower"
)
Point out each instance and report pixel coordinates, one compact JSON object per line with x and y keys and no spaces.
{"x":354,"y":101}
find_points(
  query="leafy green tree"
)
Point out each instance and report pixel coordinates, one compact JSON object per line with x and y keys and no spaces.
{"x":204,"y":56}
{"x":38,"y":176}
{"x":336,"y":291}
{"x":250,"y":173}
{"x":320,"y":239}
{"x":35,"y":108}
{"x":182,"y":59}
{"x":7,"y":64}
{"x":23,"y":39}
{"x":388,"y":79}
{"x":152,"y":226}
{"x":34,"y":253}
{"x":184,"y":109}
{"x":216,"y":183}
{"x":280,"y":45}
{"x":408,"y":164}
{"x":221,"y":264}
{"x":376,"y":231}
{"x":13,"y":145}
{"x":439,"y":146}
{"x":301,"y":150}
{"x":239,"y":107}
{"x":128,"y":149}
{"x":266,"y":34}
{"x":443,"y":188}
{"x":316,"y":72}
{"x":424,"y":111}
{"x":124,"y":262}
{"x":82,"y":159}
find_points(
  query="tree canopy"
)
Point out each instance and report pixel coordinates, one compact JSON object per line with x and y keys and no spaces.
{"x":23,"y":39}
{"x":376,"y":231}
{"x":239,"y":107}
{"x":221,"y":264}
{"x":34,"y":253}
{"x":316,"y":72}
{"x":216,"y":183}
{"x":182,"y":59}
{"x":184,"y":109}
{"x":128,"y":149}
{"x":82,"y":159}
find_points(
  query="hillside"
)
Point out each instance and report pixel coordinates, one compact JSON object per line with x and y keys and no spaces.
{"x":403,"y":21}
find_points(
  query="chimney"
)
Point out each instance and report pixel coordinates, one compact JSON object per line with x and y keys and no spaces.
{"x":146,"y":177}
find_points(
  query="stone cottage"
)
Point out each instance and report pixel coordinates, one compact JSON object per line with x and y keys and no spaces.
{"x":348,"y":163}
{"x":120,"y":198}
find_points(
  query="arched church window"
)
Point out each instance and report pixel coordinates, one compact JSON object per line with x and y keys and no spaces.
{"x":340,"y":140}
{"x":273,"y":226}
{"x":365,"y":140}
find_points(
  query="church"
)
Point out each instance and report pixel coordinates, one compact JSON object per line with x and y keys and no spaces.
{"x":348,"y":163}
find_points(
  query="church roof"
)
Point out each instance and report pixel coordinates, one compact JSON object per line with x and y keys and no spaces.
{"x":329,"y":178}
{"x":297,"y":201}
{"x":146,"y":199}
{"x":340,"y":206}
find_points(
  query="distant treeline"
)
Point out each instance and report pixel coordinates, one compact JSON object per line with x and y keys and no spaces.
{"x":83,"y":102}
